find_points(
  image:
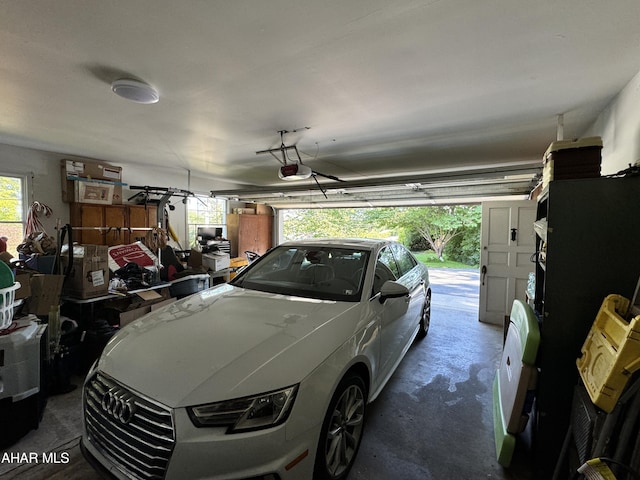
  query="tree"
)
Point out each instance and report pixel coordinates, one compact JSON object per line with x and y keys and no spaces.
{"x":438,"y":225}
{"x":332,"y":222}
{"x":11,"y":225}
{"x":10,"y":199}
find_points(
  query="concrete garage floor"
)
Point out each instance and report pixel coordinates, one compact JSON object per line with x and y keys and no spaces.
{"x":433,"y":421}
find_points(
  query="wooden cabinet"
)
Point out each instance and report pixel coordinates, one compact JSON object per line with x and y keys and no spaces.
{"x":140,"y":219}
{"x":248,"y":232}
{"x":587,"y":248}
{"x":110,"y":224}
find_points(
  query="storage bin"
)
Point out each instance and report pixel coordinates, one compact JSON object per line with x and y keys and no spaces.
{"x":7,"y":297}
{"x":24,"y":354}
{"x":610,"y":354}
{"x":182,"y":287}
{"x":567,"y":159}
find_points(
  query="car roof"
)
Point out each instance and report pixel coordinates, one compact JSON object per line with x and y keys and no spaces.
{"x":363,"y":243}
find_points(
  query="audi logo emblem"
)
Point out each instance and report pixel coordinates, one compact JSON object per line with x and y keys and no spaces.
{"x":119,"y":404}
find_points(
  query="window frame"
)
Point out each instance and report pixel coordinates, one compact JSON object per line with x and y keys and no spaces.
{"x":192,"y":227}
{"x":24,"y":196}
{"x":404,"y":260}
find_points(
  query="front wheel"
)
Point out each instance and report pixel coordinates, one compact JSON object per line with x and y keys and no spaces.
{"x":341,"y":430}
{"x":425,"y":317}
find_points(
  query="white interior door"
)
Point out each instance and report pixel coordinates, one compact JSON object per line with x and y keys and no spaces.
{"x":507,"y":245}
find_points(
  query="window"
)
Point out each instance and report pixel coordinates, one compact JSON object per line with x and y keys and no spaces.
{"x":205,"y":212}
{"x":12,"y":208}
{"x":325,"y":273}
{"x":404,"y":259}
{"x":386,"y":257}
{"x":386,"y":269}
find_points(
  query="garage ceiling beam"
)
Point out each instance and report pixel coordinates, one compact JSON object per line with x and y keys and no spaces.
{"x":452,"y":186}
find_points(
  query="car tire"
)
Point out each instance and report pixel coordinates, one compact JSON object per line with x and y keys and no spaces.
{"x":342,"y":430}
{"x":425,"y":317}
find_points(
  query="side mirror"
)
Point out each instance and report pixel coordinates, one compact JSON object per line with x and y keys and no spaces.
{"x":391,"y":289}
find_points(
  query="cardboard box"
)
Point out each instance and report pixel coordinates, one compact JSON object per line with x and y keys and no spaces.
{"x":569,"y":159}
{"x":93,"y":192}
{"x":72,"y":170}
{"x":262,"y":209}
{"x":216,"y":261}
{"x":25,"y":288}
{"x":45,"y":293}
{"x":245,"y":211}
{"x":69,"y":192}
{"x":89,"y":275}
{"x":138,"y":253}
{"x":91,"y":169}
{"x":143,"y":303}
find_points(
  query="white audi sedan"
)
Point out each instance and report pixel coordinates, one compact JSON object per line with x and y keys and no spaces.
{"x":266,"y":377}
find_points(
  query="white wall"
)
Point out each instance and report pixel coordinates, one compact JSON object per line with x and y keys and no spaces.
{"x":619,"y":127}
{"x":43,"y":180}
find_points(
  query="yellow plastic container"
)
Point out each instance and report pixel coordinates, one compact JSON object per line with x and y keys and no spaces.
{"x":610,"y":354}
{"x":236,"y":264}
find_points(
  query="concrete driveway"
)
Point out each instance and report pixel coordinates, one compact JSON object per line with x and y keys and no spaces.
{"x":455,"y":288}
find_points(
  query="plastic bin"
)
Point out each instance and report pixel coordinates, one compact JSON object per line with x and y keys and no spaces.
{"x":22,"y":379}
{"x":610,"y":354}
{"x":7,"y":297}
{"x":182,"y":287}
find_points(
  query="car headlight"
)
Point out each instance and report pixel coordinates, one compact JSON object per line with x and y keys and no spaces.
{"x":247,"y":413}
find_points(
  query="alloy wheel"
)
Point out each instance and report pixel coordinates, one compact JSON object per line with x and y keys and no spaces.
{"x":345,"y":431}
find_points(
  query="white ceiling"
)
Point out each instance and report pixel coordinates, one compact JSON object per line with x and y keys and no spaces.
{"x":410,"y":88}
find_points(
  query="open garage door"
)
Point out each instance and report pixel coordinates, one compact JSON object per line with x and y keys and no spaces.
{"x":507,"y":245}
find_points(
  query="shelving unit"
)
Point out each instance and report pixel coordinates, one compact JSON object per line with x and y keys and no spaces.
{"x":111,"y":224}
{"x":590,"y":251}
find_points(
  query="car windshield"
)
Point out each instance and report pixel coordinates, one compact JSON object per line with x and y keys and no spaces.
{"x":326,"y":273}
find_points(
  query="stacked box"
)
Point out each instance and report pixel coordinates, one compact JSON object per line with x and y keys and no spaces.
{"x":610,"y":354}
{"x":75,"y":174}
{"x":89,"y":275}
{"x":570,"y":159}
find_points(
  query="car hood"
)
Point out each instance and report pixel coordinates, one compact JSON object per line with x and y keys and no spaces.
{"x":226,"y":342}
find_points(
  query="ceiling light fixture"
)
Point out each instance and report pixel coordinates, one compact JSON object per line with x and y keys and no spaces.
{"x":135,"y":90}
{"x":294,"y":171}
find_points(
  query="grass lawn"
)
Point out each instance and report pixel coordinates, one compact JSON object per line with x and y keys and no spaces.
{"x":430,"y":259}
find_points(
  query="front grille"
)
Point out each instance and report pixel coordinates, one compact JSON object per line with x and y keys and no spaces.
{"x":140,"y":440}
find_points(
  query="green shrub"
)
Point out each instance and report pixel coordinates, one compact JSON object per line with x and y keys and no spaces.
{"x":465,"y":248}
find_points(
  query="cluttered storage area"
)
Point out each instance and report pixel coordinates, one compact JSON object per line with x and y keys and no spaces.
{"x":67,"y":292}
